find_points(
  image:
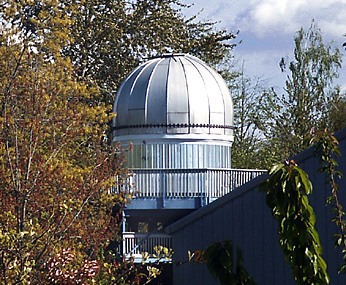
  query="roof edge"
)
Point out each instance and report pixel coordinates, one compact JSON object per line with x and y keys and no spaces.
{"x":216,"y":204}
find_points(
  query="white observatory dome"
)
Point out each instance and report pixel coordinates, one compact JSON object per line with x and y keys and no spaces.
{"x":171,"y":100}
{"x":173,"y":94}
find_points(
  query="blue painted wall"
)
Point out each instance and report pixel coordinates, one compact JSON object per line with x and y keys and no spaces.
{"x":243,"y":216}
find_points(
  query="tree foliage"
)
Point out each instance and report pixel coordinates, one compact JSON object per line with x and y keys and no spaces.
{"x":246,"y":94}
{"x":109,"y":38}
{"x":60,"y":65}
{"x":286,"y":194}
{"x":336,"y":113}
{"x":55,"y":175}
{"x":288,"y":119}
{"x":112,"y":37}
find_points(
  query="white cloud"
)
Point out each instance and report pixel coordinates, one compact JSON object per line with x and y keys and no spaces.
{"x":265,"y":17}
{"x":276,"y":14}
{"x":268,"y":27}
{"x":287,"y":16}
{"x":228,"y":13}
{"x":264,"y":64}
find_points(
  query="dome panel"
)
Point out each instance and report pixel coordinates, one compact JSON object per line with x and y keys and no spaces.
{"x":122,"y":102}
{"x":215,"y":98}
{"x":177,"y":110}
{"x":154,"y":98}
{"x":228,"y":105}
{"x":140,"y":86}
{"x":216,"y":103}
{"x":177,"y":88}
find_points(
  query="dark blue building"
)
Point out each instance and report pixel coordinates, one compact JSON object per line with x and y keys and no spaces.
{"x":244,"y":217}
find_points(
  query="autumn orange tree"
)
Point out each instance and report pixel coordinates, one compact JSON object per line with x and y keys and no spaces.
{"x":59,"y":185}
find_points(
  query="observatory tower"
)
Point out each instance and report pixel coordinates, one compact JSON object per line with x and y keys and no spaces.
{"x":178,"y":114}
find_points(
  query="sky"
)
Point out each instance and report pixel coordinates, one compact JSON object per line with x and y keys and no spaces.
{"x":267,"y":29}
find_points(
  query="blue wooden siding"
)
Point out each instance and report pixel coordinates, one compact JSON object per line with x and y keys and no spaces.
{"x":243,"y":216}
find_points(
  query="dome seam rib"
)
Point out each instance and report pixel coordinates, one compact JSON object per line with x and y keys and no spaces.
{"x":200,"y":74}
{"x":213,"y":73}
{"x":187,"y":92}
{"x":167,"y":89}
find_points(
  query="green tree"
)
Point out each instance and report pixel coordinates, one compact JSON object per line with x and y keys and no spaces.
{"x":336,"y":112}
{"x":246,"y":94}
{"x":289,"y":118}
{"x":55,"y":177}
{"x":112,"y":37}
{"x":109,"y":38}
{"x":286,"y":191}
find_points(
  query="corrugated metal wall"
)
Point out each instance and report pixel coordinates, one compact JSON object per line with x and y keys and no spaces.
{"x":179,"y":156}
{"x":244,"y":217}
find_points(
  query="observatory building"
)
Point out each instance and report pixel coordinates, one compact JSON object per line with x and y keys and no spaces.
{"x":177,"y":112}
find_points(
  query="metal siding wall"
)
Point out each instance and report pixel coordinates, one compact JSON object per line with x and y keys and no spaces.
{"x":247,"y":220}
{"x":251,"y":228}
{"x":269,"y":242}
{"x":192,"y":239}
{"x":182,"y":156}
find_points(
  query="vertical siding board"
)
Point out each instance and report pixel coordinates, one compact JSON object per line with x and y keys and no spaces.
{"x":248,"y":239}
{"x":269,"y":242}
{"x":216,"y":225}
{"x":177,"y":243}
{"x":237,"y":223}
{"x":255,"y":266}
{"x":226,"y":222}
{"x":342,"y":196}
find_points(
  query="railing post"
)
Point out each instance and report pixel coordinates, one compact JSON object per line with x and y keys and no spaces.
{"x":163,"y":189}
{"x":207,"y":185}
{"x":123,"y":237}
{"x":231,"y":180}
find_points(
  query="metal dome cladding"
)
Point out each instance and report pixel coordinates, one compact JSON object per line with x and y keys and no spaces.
{"x":176,"y":95}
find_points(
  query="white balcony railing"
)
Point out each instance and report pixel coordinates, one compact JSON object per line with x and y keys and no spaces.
{"x":136,"y":243}
{"x":184,"y":183}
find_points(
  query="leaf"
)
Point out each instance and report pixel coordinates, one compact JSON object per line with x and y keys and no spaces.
{"x":226,"y":260}
{"x":276,"y":168}
{"x":305,"y":180}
